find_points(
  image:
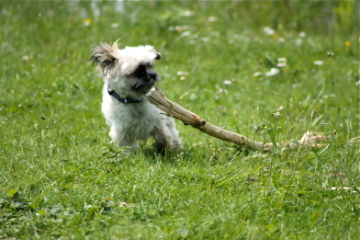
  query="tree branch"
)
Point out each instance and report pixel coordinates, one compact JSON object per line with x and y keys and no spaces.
{"x":156,"y":97}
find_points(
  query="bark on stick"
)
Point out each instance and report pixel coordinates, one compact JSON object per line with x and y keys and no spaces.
{"x":156,"y":97}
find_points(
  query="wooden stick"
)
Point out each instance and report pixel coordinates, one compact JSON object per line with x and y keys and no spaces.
{"x":156,"y":97}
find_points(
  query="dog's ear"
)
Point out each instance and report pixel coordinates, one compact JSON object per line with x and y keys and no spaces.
{"x":105,"y":56}
{"x":158,"y":56}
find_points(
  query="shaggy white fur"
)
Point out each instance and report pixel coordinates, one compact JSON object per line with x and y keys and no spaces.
{"x":129,"y":73}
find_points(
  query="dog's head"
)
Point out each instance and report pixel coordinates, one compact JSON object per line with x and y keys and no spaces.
{"x":131,"y":68}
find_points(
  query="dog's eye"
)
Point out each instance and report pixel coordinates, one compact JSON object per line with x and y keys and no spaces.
{"x":141,"y":70}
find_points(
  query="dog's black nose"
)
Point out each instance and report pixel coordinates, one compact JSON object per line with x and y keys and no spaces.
{"x":152,"y":76}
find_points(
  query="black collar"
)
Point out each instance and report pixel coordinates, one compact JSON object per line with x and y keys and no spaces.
{"x":123,"y":100}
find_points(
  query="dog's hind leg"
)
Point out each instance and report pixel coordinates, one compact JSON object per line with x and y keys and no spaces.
{"x":166,"y":137}
{"x":161,"y":140}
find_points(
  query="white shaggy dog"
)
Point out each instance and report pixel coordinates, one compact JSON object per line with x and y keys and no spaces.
{"x":128,"y":76}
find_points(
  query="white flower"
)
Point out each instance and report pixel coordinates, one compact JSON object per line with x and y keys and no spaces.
{"x":256,"y":74}
{"x":280,"y":108}
{"x":298,"y":42}
{"x":114,"y":25}
{"x":178,"y":28}
{"x":25,"y":58}
{"x":204,"y":39}
{"x":188,"y":13}
{"x":318,"y":62}
{"x":6,"y":13}
{"x":272,"y":72}
{"x":180,"y":73}
{"x":269,"y":31}
{"x":281,"y":62}
{"x":330,"y":54}
{"x":302,"y":34}
{"x":185,"y":34}
{"x":212,"y":19}
{"x":87,"y":22}
{"x":193,"y":96}
{"x":227,"y":82}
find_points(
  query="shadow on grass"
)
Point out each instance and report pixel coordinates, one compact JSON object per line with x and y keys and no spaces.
{"x":148,"y":152}
{"x":152,"y":155}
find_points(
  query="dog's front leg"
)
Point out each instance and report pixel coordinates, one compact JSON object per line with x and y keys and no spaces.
{"x":122,"y":140}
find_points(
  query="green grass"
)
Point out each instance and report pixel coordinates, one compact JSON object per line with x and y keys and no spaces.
{"x":60,"y":178}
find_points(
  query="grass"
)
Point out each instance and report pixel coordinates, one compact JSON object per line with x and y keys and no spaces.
{"x":60,"y":178}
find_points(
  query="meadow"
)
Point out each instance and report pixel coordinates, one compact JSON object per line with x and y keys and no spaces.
{"x":269,"y":70}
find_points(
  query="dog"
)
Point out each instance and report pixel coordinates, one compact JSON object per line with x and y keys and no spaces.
{"x":129,"y":76}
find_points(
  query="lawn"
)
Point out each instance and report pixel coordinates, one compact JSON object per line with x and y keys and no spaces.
{"x":269,"y":70}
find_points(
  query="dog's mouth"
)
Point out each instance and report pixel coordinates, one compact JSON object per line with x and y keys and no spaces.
{"x":143,"y":79}
{"x":143,"y":86}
